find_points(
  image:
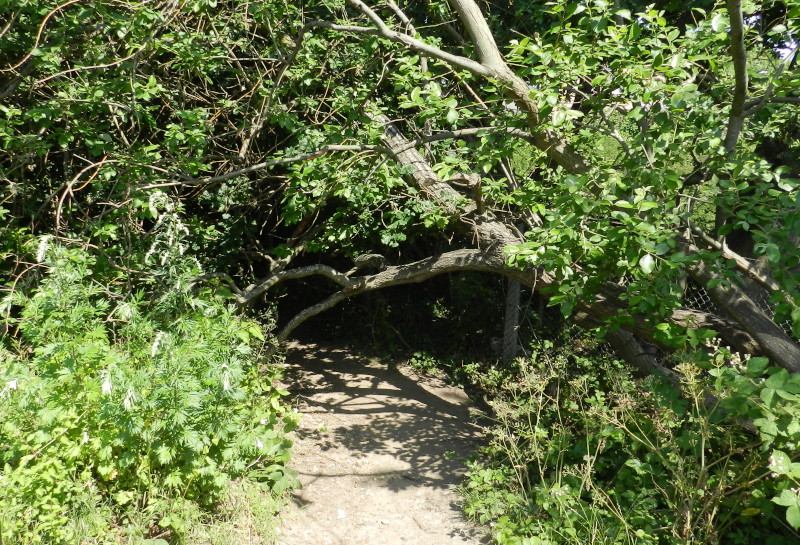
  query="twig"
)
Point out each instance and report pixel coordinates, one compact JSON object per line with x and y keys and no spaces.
{"x":38,"y":35}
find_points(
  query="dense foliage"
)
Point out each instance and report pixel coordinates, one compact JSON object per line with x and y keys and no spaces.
{"x":115,"y":407}
{"x":578,"y":456}
{"x":170,"y":168}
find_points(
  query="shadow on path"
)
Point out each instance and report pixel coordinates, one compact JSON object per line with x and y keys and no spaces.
{"x":380,"y":452}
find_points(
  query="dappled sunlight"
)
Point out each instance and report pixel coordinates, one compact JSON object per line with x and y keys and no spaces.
{"x":379,"y":443}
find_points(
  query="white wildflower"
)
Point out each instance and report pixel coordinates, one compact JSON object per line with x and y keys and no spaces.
{"x":44,"y":243}
{"x":10,"y":385}
{"x":158,"y":199}
{"x":85,"y":438}
{"x":125,"y":311}
{"x":106,"y":386}
{"x":130,"y":398}
{"x":263,"y":422}
{"x":259,"y":444}
{"x":156,"y":344}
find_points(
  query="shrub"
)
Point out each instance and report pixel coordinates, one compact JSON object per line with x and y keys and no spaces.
{"x":584,"y":453}
{"x":110,"y":402}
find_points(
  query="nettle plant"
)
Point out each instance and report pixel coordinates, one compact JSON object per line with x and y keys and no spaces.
{"x":606,"y":458}
{"x":138,"y":405}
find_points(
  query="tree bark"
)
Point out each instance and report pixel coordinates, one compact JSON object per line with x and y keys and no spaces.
{"x":774,"y":342}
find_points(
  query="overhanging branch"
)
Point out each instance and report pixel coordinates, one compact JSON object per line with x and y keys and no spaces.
{"x":419,"y":271}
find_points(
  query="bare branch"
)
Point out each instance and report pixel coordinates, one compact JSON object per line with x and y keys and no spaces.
{"x":774,"y":100}
{"x":756,"y":105}
{"x":252,"y":291}
{"x":456,"y":61}
{"x":741,"y":263}
{"x":419,"y":271}
{"x":409,"y":27}
{"x":482,"y":38}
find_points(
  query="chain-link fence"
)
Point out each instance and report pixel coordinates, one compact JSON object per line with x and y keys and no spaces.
{"x":695,"y":297}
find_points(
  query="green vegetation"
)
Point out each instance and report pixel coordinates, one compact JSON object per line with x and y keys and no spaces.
{"x":582,"y":452}
{"x":121,"y":414}
{"x":186,"y":183}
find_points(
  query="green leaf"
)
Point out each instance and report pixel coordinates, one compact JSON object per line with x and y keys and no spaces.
{"x":452,"y":115}
{"x":772,"y":252}
{"x":718,"y":22}
{"x":778,"y":379}
{"x":757,"y":366}
{"x":767,"y":396}
{"x":786,"y":499}
{"x":623,"y":13}
{"x":255,"y":331}
{"x":647,"y":263}
{"x":793,"y":516}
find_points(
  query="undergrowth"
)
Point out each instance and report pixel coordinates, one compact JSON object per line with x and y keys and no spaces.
{"x":583,"y":452}
{"x":126,"y":418}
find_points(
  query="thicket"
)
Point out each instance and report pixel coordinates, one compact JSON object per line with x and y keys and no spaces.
{"x":124,"y":413}
{"x":155,"y":155}
{"x":582,"y":451}
{"x":136,"y":402}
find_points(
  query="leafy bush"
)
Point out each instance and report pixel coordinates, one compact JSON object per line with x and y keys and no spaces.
{"x":584,"y":453}
{"x":110,"y":402}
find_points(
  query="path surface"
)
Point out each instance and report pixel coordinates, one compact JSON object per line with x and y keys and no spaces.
{"x":373,"y":450}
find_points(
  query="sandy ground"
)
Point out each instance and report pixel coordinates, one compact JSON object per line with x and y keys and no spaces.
{"x":379,"y":451}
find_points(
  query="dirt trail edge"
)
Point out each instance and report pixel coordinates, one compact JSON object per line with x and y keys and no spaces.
{"x":380,"y":452}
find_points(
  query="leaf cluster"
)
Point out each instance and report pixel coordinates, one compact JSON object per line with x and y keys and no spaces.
{"x":583,"y":452}
{"x":113,"y":399}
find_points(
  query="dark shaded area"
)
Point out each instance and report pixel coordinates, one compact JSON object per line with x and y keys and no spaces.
{"x":450,"y":316}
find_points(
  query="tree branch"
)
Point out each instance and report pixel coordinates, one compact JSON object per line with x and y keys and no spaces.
{"x":482,"y":38}
{"x":755,"y":105}
{"x":252,"y":291}
{"x":739,"y":55}
{"x":419,"y":271}
{"x":741,"y":263}
{"x":456,"y":61}
{"x":546,"y":140}
{"x":773,"y":341}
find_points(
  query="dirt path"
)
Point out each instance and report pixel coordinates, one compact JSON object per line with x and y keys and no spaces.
{"x":373,"y":452}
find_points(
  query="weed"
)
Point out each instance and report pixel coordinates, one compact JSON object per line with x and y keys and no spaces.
{"x":581,"y":452}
